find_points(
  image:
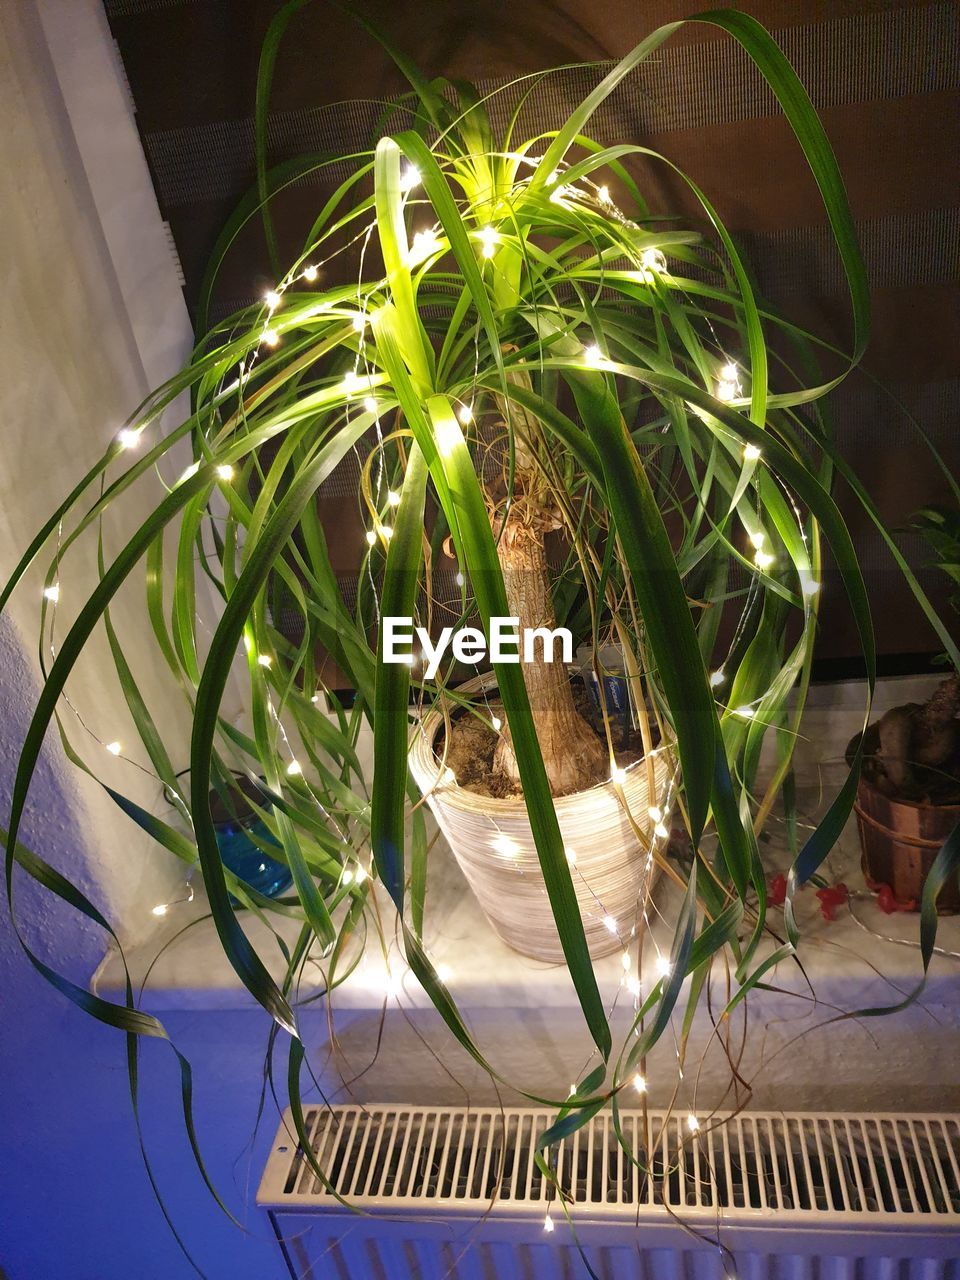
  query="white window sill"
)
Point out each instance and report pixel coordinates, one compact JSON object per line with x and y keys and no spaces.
{"x":843,"y":961}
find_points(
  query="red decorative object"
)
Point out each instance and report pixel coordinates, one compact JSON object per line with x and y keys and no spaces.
{"x":777,"y":891}
{"x":888,"y":903}
{"x":831,"y":897}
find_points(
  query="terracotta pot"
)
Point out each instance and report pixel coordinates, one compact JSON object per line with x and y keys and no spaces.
{"x":491,"y":840}
{"x":900,"y":839}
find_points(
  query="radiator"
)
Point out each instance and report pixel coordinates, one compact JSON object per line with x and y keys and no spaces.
{"x":447,"y":1193}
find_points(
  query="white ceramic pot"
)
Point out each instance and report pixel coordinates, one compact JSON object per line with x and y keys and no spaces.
{"x":609,"y":856}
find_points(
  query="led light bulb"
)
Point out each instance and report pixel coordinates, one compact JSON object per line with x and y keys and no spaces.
{"x":294,"y":769}
{"x":444,"y":973}
{"x":460,"y":580}
{"x":393,"y":498}
{"x":618,"y":775}
{"x":347,"y":877}
{"x":114,"y":748}
{"x":160,"y":909}
{"x":352,"y":382}
{"x":465,"y":414}
{"x":809,"y":586}
{"x":370,"y":404}
{"x":264,"y":660}
{"x":603,"y":195}
{"x":717,"y":678}
{"x":763,"y":559}
{"x":225,"y":471}
{"x":633,"y":986}
{"x":272,"y":299}
{"x":310,"y":272}
{"x":52,"y":592}
{"x":653,"y":260}
{"x":625,"y":961}
{"x":371,"y":538}
{"x":489,"y":238}
{"x":409,"y":178}
{"x":425,"y":244}
{"x":661,"y":831}
{"x":610,"y":924}
{"x":548,"y":1224}
{"x":751,"y":452}
{"x":129,"y":437}
{"x":496,"y":724}
{"x":758,"y":539}
{"x":664,"y":967}
{"x":593,"y":355}
{"x":655,"y":812}
{"x":729,"y":373}
{"x":571,"y":857}
{"x":693,"y":1124}
{"x":726,"y":391}
{"x":361,"y":873}
{"x":745,"y":712}
{"x":358,"y":320}
{"x":639,"y":1083}
{"x":386,"y":532}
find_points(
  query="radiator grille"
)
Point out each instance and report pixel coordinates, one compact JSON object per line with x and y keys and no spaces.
{"x":797,"y":1164}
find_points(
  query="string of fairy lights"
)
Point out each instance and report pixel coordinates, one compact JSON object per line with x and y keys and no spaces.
{"x":426,"y":242}
{"x":359,"y":387}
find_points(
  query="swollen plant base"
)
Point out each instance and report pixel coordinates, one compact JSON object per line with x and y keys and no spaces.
{"x":492,"y":842}
{"x":900,"y":837}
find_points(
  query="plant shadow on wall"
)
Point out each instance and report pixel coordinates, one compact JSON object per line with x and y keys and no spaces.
{"x":539,"y":364}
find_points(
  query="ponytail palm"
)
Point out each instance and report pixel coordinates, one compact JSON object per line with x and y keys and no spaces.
{"x":652,"y":408}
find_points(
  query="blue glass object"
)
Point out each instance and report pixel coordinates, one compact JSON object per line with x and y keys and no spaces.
{"x":241,"y":856}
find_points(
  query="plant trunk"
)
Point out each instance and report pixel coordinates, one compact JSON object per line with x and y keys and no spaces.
{"x":573,"y":755}
{"x":918,"y":734}
{"x":935,"y":724}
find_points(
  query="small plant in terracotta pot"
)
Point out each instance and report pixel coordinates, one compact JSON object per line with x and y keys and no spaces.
{"x":908,"y":799}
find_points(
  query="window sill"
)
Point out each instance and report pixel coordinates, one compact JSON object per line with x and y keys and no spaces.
{"x":846,"y":964}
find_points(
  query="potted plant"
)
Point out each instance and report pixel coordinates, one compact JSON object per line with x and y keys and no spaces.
{"x":908,"y":798}
{"x":611,"y":805}
{"x":657,"y":418}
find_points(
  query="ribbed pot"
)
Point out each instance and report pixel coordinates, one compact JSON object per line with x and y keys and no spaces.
{"x":493,"y":844}
{"x":899,"y":839}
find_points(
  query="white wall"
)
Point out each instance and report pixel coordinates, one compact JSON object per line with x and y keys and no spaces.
{"x":92,"y":318}
{"x":73,"y":335}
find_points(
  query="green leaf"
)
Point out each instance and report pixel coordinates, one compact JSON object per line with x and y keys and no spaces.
{"x":390,"y":717}
{"x":480,"y":553}
{"x":223,"y":647}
